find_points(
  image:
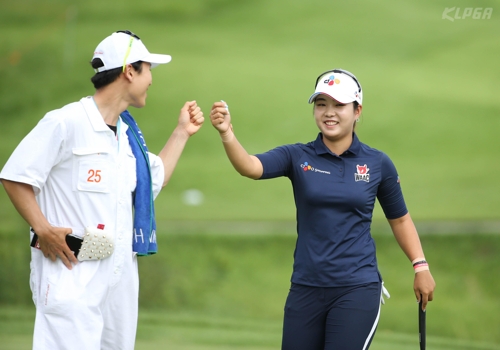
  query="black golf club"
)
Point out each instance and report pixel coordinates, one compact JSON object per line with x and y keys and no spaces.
{"x":421,"y":325}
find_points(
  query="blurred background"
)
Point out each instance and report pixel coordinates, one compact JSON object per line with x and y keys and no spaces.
{"x":429,"y":72}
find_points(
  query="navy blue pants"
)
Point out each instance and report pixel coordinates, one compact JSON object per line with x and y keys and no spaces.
{"x":340,"y":318}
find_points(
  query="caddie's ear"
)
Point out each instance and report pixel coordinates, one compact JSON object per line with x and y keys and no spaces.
{"x":128,"y":72}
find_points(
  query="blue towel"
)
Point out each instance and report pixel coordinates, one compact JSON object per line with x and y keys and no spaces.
{"x":144,"y":242}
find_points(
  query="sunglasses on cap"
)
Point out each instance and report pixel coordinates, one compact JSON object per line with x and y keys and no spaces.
{"x":132,"y":36}
{"x":339,"y":71}
{"x":128,"y":32}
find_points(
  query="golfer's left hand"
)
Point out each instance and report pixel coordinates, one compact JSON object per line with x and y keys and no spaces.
{"x":424,"y":286}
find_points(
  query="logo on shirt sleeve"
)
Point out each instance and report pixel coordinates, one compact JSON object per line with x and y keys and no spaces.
{"x":362,"y":174}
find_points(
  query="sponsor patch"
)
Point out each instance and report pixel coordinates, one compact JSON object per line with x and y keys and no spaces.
{"x":307,"y":167}
{"x":362,"y":173}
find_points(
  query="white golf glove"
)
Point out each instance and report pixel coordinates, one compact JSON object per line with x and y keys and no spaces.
{"x":384,"y":292}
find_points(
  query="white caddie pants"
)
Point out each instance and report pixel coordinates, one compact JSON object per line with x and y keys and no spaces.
{"x":94,"y":306}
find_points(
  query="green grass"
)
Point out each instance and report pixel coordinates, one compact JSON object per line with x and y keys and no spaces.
{"x":228,"y":290}
{"x":248,"y":276}
{"x":429,"y":88}
{"x":199,"y":331}
{"x":430,"y":102}
{"x":243,"y":279}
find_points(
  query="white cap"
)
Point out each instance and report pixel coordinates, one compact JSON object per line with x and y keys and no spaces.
{"x":340,"y":85}
{"x":121,"y":48}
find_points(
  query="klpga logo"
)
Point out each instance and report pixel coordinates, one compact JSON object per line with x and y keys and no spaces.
{"x":453,"y":13}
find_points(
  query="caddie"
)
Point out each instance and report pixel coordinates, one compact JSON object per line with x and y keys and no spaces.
{"x":85,"y":181}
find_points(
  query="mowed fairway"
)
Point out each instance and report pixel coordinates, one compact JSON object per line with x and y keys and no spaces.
{"x":197,"y":331}
{"x":227,"y":291}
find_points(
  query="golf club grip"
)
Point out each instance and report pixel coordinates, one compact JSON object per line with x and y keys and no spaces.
{"x":421,"y":325}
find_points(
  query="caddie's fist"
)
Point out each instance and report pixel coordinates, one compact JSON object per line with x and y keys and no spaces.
{"x":192,"y":117}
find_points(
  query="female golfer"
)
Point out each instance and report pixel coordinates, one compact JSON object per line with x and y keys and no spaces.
{"x":336,"y":288}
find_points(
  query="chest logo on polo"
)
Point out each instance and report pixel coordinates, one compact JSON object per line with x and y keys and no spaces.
{"x":307,"y":167}
{"x":362,"y":174}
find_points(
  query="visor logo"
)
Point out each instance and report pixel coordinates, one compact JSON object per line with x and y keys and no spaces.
{"x":362,"y":173}
{"x":331,"y":80}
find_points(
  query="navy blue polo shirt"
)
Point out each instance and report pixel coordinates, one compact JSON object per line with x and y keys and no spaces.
{"x":335,"y":196}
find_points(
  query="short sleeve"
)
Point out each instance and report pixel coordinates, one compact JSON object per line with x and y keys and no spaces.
{"x":157,"y":173}
{"x":276,"y":162}
{"x":34,"y":157}
{"x":389,"y":194}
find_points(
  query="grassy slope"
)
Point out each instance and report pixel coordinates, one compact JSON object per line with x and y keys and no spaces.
{"x":423,"y":105}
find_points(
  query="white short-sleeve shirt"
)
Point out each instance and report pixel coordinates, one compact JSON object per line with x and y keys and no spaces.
{"x":82,"y":173}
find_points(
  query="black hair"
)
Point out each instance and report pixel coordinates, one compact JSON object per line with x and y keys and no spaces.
{"x":355,"y":104}
{"x":106,"y":77}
